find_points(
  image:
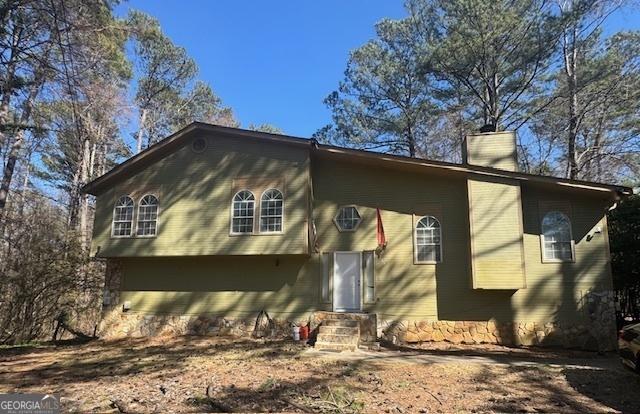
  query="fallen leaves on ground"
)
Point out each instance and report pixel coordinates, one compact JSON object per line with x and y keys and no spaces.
{"x":196,"y":374}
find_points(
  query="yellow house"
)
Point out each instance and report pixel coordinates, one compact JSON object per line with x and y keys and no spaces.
{"x":212,"y":225}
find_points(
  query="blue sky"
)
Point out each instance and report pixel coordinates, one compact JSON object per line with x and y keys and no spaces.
{"x":275,"y":61}
{"x":271,"y":61}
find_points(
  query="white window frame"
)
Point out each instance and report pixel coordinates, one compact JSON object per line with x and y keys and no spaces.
{"x":543,"y":249}
{"x":335,"y":219}
{"x":253,"y":227}
{"x":137,"y":218}
{"x":270,"y":216}
{"x":113,"y":218}
{"x":415,"y":242}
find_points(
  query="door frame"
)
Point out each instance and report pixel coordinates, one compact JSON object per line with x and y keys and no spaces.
{"x":359,"y":281}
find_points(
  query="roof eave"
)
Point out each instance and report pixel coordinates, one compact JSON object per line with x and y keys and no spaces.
{"x":94,"y":187}
{"x":621,"y":191}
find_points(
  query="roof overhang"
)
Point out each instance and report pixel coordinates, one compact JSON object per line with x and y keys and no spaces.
{"x":466,"y":169}
{"x":176,"y":140}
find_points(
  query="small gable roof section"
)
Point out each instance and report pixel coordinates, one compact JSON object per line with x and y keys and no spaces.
{"x":176,"y":140}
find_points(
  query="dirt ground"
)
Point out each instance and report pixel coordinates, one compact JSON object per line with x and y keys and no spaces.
{"x":196,"y":374}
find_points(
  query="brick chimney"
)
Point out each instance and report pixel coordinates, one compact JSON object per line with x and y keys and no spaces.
{"x":491,"y":149}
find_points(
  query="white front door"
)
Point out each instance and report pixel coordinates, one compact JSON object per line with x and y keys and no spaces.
{"x":347,"y":269}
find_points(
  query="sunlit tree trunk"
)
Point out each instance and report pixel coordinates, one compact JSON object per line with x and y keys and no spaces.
{"x":143,"y":120}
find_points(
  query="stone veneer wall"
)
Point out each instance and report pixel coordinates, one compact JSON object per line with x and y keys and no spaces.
{"x":118,"y":324}
{"x":112,"y":283}
{"x":597,"y":332}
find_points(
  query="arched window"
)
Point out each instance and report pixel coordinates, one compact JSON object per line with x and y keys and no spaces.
{"x":557,"y":243}
{"x":271,"y":211}
{"x":148,"y":216}
{"x":428,"y":240}
{"x":242,"y":214}
{"x":122,"y":217}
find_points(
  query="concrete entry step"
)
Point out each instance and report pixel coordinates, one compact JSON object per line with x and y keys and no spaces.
{"x":338,"y":330}
{"x":347,"y":323}
{"x":331,"y":346}
{"x":338,"y":335}
{"x":366,"y":322}
{"x":339,"y":339}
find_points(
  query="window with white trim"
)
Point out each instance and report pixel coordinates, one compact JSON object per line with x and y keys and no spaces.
{"x":122,"y":217}
{"x":557,"y":242}
{"x":243,"y":212}
{"x":348,"y":218}
{"x":271,"y":211}
{"x":147,"y":225}
{"x":428,"y":242}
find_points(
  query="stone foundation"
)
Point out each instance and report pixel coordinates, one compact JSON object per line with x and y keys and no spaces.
{"x":596,"y":333}
{"x":112,"y":283}
{"x":119,"y":324}
{"x":492,"y":332}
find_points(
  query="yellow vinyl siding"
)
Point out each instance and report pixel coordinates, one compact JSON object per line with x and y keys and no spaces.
{"x":205,"y":274}
{"x":496,"y":234}
{"x":195,"y":192}
{"x":403,"y":290}
{"x":284,"y":286}
{"x":495,"y":149}
{"x":553,"y":289}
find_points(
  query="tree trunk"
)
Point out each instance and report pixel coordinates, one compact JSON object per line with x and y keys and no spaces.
{"x":493,"y":95}
{"x":92,"y":160}
{"x":25,"y":186}
{"x":597,"y":143}
{"x":103,"y":159}
{"x":83,"y":201}
{"x":7,"y":89}
{"x":411,"y":143}
{"x":570,"y":51}
{"x":572,"y":133}
{"x":14,"y":151}
{"x":72,"y":220}
{"x":143,"y":119}
{"x":7,"y":175}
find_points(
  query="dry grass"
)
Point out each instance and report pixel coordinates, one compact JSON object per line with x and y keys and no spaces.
{"x":190,"y":374}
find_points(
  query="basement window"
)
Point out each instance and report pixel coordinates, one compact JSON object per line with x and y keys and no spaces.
{"x":347,"y":219}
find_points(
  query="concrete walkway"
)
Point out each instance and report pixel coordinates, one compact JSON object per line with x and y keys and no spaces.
{"x":597,"y":362}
